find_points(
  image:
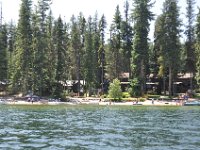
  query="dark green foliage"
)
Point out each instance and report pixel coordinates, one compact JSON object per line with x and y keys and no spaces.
{"x":159,"y":68}
{"x":61,"y":53}
{"x":40,"y":49}
{"x":190,"y":41}
{"x":22,"y":75}
{"x":197,"y":48}
{"x":101,"y":51}
{"x":115,"y":47}
{"x":96,"y":45}
{"x":51,"y":54}
{"x":89,"y":37}
{"x":89,"y":57}
{"x":167,"y":51}
{"x":11,"y":47}
{"x":135,"y":88}
{"x":40,"y":54}
{"x":142,"y":17}
{"x":76,"y":46}
{"x":127,"y":35}
{"x":3,"y":54}
{"x":171,"y":48}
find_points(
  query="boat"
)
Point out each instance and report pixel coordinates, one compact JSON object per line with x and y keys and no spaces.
{"x":192,"y":103}
{"x":2,"y":102}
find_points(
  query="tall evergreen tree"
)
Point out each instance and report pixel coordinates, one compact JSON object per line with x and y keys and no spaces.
{"x":114,"y":54}
{"x":101,"y":52}
{"x":43,"y":78}
{"x":171,"y":48}
{"x":142,"y":17}
{"x":36,"y":39}
{"x":11,"y":47}
{"x":51,"y":53}
{"x":127,"y":36}
{"x":11,"y":38}
{"x":76,"y":47}
{"x":22,"y":76}
{"x":96,"y":45}
{"x":89,"y":56}
{"x":43,"y":7}
{"x":117,"y":41}
{"x":197,"y":47}
{"x":189,"y":44}
{"x":159,"y":67}
{"x":3,"y":54}
{"x":80,"y":58}
{"x":61,"y":53}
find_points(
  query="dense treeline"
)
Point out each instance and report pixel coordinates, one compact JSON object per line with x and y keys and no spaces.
{"x":41,"y":52}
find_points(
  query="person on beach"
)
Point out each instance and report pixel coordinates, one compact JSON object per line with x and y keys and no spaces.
{"x":185,"y":97}
{"x":152,"y":101}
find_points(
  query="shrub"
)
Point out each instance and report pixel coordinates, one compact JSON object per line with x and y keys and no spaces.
{"x":154,"y":96}
{"x":115,"y":91}
{"x":134,"y":89}
{"x":141,"y":99}
{"x":126,"y":95}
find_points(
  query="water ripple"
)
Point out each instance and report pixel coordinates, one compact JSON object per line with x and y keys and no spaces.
{"x":99,"y":128}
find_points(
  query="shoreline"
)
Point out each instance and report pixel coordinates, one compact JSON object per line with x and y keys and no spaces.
{"x":79,"y":101}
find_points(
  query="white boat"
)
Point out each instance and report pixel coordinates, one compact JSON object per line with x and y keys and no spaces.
{"x":2,"y":102}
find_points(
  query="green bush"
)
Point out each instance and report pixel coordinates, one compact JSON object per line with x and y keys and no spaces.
{"x":126,"y":95}
{"x":141,"y":99}
{"x":197,"y":95}
{"x":154,"y":96}
{"x":115,"y":91}
{"x":134,"y":90}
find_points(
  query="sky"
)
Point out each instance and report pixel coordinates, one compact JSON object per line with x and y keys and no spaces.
{"x":66,"y":8}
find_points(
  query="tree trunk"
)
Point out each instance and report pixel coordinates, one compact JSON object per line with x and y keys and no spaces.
{"x":191,"y":81}
{"x":164,"y":85}
{"x":79,"y":75}
{"x":142,"y":73}
{"x":170,"y":81}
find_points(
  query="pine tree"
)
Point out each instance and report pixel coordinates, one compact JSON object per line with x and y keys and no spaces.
{"x":61,"y":53}
{"x":80,"y":58}
{"x":96,"y":45}
{"x":36,"y":42}
{"x":127,"y":36}
{"x":11,"y":48}
{"x":101,"y":52}
{"x":159,"y":60}
{"x":117,"y":41}
{"x":171,"y":48}
{"x":3,"y":54}
{"x":43,"y":10}
{"x":76,"y":47}
{"x":197,"y":47}
{"x":22,"y":76}
{"x":142,"y":17}
{"x":51,"y":54}
{"x":43,"y":7}
{"x":89,"y":56}
{"x":114,"y":54}
{"x":189,"y":44}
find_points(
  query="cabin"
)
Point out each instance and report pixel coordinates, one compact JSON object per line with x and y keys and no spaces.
{"x":155,"y":84}
{"x":72,"y":85}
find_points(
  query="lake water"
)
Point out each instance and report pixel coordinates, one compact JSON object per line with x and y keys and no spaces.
{"x":99,"y":127}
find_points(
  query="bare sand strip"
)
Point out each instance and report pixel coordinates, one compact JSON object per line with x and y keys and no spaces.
{"x":145,"y":103}
{"x":99,"y":102}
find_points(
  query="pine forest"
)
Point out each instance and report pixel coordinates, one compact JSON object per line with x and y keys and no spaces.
{"x":50,"y":56}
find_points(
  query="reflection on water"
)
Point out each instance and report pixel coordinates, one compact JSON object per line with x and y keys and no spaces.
{"x":99,"y":127}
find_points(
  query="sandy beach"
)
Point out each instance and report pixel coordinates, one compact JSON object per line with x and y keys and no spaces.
{"x":78,"y":101}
